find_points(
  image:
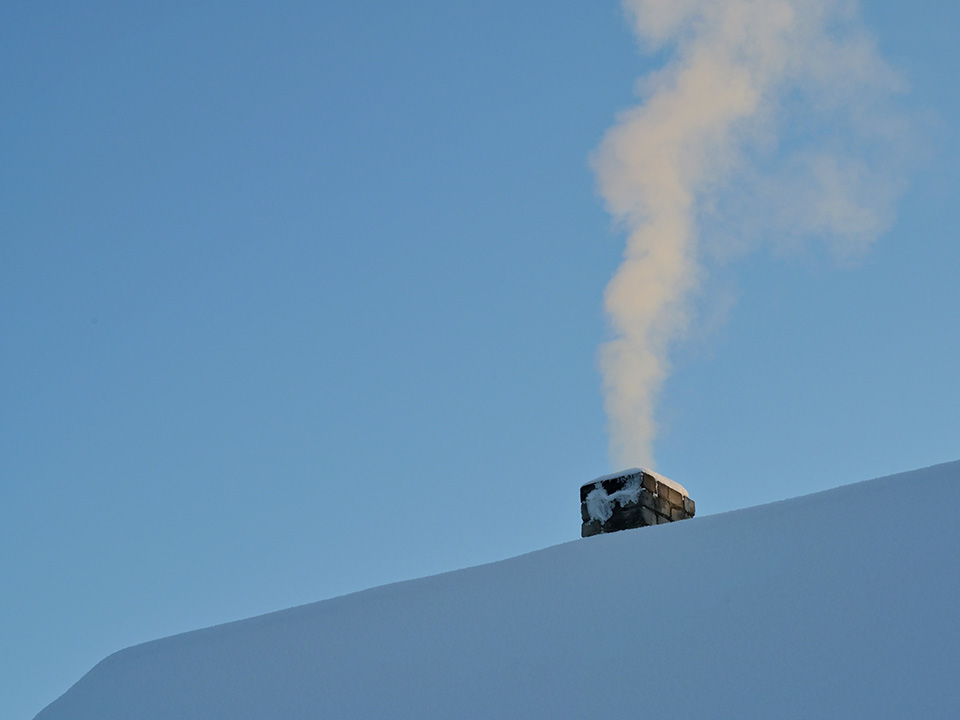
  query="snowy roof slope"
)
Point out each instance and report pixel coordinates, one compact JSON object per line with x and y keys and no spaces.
{"x":838,"y":604}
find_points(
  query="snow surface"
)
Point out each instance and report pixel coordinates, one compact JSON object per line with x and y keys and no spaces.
{"x":841,"y":604}
{"x":600,"y":503}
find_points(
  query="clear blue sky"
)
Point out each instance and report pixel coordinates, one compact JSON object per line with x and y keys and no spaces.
{"x":304,"y":298}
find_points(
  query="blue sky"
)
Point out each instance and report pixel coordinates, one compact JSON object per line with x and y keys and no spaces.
{"x":299,"y":300}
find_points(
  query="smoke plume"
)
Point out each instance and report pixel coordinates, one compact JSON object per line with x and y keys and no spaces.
{"x":770,"y":120}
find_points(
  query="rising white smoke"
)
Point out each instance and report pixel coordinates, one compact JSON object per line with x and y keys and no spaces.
{"x":770,"y":120}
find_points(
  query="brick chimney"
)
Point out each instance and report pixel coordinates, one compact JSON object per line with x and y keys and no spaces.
{"x":630,"y":499}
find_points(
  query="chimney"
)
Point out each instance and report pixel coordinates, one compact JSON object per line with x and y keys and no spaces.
{"x":630,"y":499}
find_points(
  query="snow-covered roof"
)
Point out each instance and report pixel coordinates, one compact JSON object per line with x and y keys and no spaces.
{"x":449,"y":646}
{"x":635,"y":471}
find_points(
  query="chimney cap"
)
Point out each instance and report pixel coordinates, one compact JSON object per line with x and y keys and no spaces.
{"x":637,"y":471}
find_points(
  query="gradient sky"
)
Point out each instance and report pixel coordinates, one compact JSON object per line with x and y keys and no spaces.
{"x":301,"y":299}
